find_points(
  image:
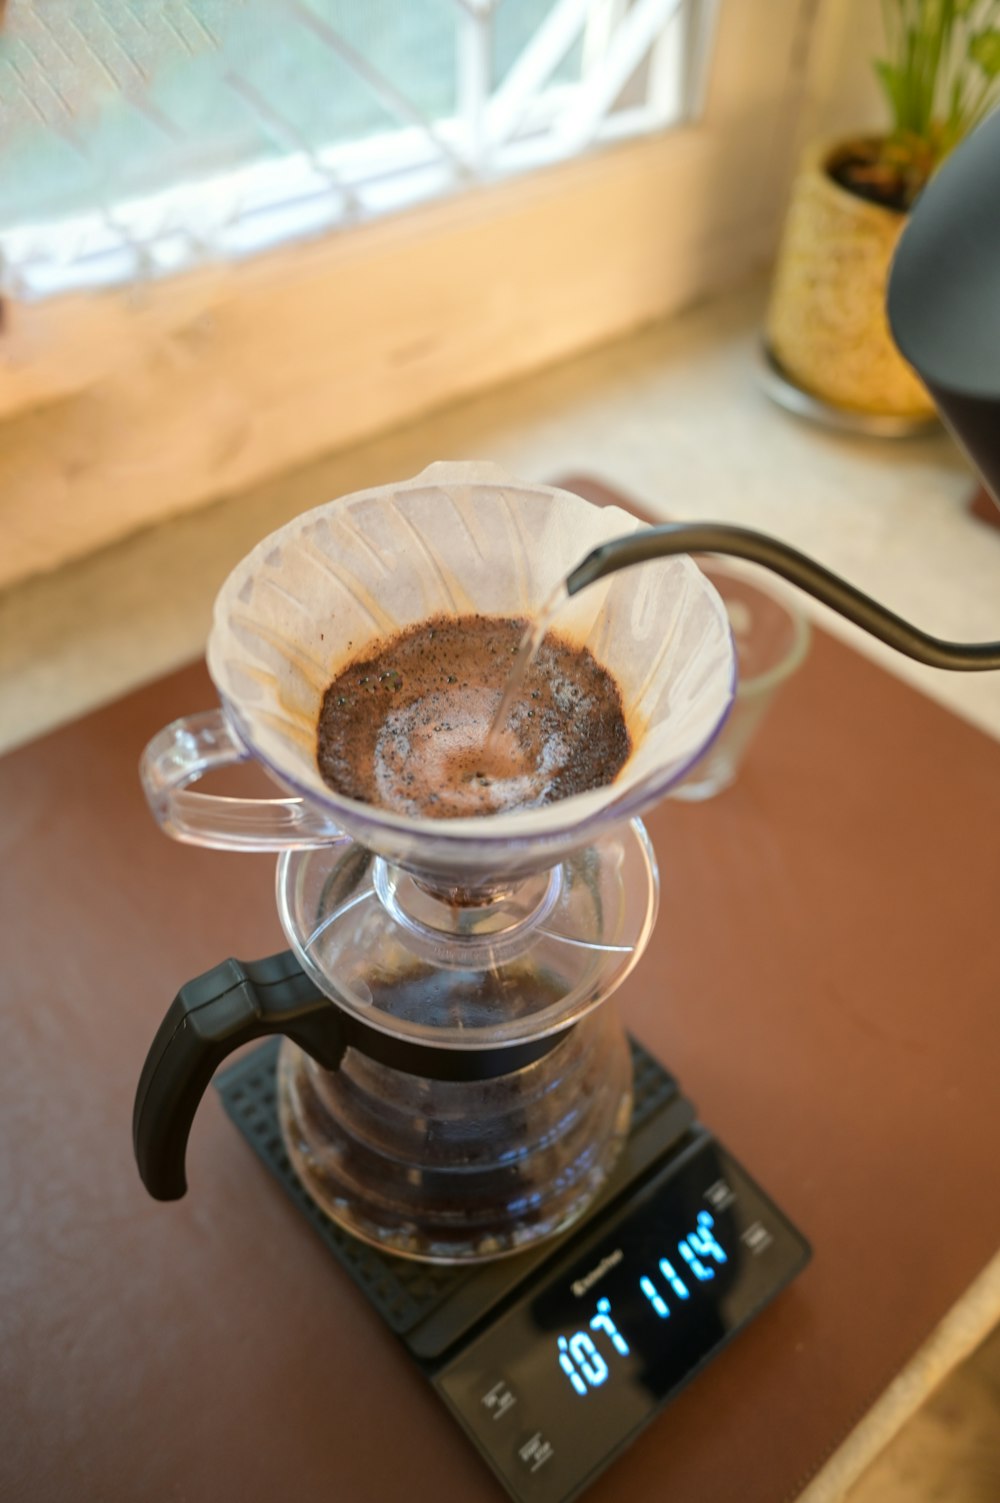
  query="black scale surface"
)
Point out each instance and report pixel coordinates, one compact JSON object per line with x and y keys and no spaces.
{"x":432,"y":1307}
{"x":511,"y":1347}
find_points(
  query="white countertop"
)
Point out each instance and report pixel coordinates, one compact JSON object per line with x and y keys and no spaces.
{"x":673,"y":415}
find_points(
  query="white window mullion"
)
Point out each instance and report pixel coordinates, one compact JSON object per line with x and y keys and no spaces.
{"x":700,"y":19}
{"x":665,"y":81}
{"x":629,"y":45}
{"x":622,"y":125}
{"x":292,"y":139}
{"x":387,"y":93}
{"x":604,"y":19}
{"x":542,"y":55}
{"x":474,"y":61}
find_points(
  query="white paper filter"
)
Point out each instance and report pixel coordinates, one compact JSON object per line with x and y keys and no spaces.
{"x":460,"y":539}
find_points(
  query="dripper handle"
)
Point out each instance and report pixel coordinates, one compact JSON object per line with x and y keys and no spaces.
{"x":189,"y":748}
{"x":232,"y":1004}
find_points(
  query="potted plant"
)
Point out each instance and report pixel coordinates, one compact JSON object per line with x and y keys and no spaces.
{"x":826,"y":327}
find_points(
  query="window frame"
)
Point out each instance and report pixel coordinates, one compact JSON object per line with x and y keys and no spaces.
{"x":329,"y":341}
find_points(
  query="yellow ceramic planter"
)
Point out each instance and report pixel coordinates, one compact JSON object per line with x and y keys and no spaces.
{"x":826,"y":323}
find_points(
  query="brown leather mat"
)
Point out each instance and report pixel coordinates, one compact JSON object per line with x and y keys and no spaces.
{"x":824,"y":978}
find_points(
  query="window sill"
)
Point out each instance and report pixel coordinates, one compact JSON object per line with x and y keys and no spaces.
{"x":673,"y":415}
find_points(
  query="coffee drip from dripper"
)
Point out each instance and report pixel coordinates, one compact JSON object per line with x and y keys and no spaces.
{"x":450,"y":1087}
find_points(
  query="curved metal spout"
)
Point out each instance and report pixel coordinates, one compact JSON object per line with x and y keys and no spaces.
{"x":718,"y":537}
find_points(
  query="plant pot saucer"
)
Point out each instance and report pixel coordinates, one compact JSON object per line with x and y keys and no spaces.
{"x":783,"y":390}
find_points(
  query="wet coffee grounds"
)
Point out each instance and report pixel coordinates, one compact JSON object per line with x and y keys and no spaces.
{"x":406,"y":727}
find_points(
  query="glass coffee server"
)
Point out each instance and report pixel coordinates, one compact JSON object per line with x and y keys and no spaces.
{"x":452,"y":1083}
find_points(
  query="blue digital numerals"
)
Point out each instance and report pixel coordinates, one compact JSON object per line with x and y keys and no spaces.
{"x":579,"y":1357}
{"x":582,"y":1361}
{"x":696,"y":1248}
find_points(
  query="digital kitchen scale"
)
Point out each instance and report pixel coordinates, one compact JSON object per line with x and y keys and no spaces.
{"x":553,"y":1360}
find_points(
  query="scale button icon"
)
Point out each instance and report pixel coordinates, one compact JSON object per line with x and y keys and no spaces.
{"x":757,"y":1237}
{"x":499,"y":1398}
{"x":534,"y":1451}
{"x":720,"y":1195}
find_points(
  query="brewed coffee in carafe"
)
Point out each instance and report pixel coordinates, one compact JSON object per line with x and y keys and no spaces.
{"x":453,"y":1083}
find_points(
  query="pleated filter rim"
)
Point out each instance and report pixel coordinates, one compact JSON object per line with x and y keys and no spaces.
{"x":464,"y":540}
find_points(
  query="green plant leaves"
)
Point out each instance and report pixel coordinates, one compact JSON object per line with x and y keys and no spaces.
{"x":984,"y":49}
{"x":891,"y":81}
{"x":942,"y":75}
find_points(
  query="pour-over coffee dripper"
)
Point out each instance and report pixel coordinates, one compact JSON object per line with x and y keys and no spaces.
{"x":449,"y":1087}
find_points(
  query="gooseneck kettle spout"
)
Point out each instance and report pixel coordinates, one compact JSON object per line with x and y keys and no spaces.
{"x":740,"y":542}
{"x":944,"y":310}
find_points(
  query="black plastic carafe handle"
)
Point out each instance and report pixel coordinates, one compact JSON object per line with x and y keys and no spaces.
{"x":232,"y":1004}
{"x":239,"y":1001}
